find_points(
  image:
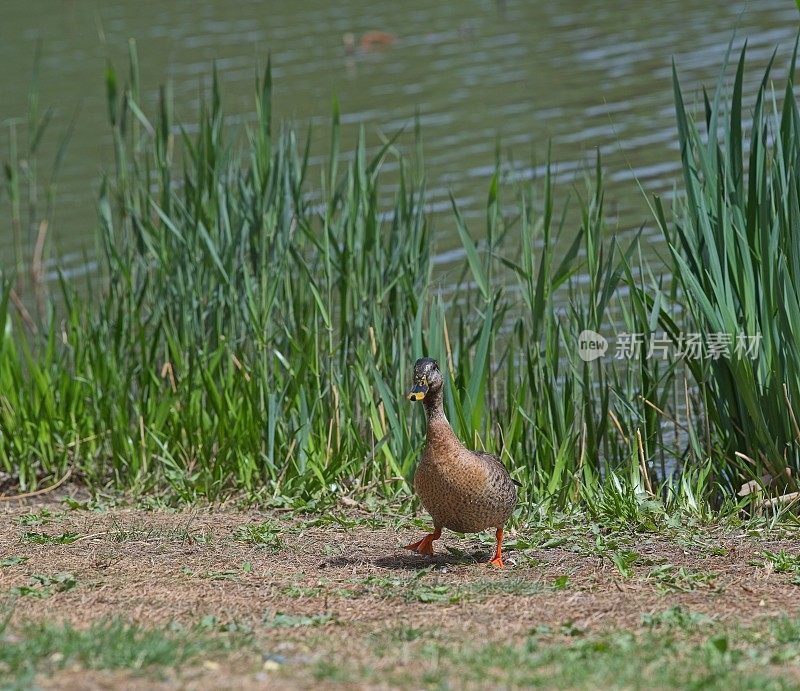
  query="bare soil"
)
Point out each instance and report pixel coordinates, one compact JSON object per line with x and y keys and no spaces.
{"x":329,"y":592}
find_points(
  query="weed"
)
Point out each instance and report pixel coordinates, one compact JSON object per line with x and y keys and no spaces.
{"x":266,"y":535}
{"x":42,"y":517}
{"x":97,"y":505}
{"x":12,"y":561}
{"x":298,"y":591}
{"x":148,"y":533}
{"x":283,"y":620}
{"x":668,"y":578}
{"x":624,"y":561}
{"x":45,"y":585}
{"x":782,"y":562}
{"x":66,"y":538}
{"x":44,"y":648}
{"x":676,"y":617}
{"x":226,"y":575}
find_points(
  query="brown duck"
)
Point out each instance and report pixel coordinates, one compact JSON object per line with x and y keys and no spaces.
{"x":465,"y":491}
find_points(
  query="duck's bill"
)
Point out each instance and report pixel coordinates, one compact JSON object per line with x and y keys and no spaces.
{"x":417,"y":392}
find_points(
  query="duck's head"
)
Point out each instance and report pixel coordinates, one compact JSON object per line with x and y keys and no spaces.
{"x":427,"y":379}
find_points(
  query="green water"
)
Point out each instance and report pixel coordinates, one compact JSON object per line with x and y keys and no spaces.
{"x":587,"y":76}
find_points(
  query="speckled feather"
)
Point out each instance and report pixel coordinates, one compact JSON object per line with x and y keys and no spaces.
{"x":463,"y":490}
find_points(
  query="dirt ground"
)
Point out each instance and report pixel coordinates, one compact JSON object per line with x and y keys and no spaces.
{"x":318,"y":589}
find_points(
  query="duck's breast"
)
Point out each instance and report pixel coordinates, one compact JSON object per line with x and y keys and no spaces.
{"x":462,"y":491}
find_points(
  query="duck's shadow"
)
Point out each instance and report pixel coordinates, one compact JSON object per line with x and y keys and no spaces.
{"x":409,"y":561}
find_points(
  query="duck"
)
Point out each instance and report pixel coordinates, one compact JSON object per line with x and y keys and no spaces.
{"x":463,"y":490}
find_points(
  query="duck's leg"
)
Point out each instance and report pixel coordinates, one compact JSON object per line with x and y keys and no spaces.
{"x":425,"y":545}
{"x":498,"y":552}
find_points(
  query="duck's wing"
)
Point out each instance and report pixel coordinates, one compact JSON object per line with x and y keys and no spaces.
{"x":491,"y":457}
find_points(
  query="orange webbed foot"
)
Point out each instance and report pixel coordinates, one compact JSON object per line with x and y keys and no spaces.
{"x":425,"y":545}
{"x":497,"y":560}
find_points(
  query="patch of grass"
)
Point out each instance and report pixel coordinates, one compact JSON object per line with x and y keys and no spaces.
{"x":424,"y":587}
{"x":406,"y":634}
{"x":12,"y":561}
{"x":293,"y":621}
{"x":695,"y":539}
{"x":441,"y":593}
{"x":669,"y":579}
{"x":148,"y":533}
{"x":622,"y":557}
{"x":266,"y":535}
{"x":213,"y":623}
{"x":42,"y":585}
{"x":65,"y":538}
{"x":624,"y":561}
{"x":783,"y":562}
{"x":225,"y":575}
{"x":92,"y":504}
{"x":110,"y":645}
{"x":674,"y":652}
{"x":295,"y":591}
{"x":348,"y":522}
{"x":332,"y":672}
{"x":41,"y":517}
{"x":676,"y":617}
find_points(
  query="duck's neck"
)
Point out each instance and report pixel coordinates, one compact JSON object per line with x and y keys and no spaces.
{"x":438,"y":426}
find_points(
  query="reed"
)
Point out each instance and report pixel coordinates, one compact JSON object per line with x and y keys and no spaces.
{"x":250,"y":331}
{"x":735,"y":260}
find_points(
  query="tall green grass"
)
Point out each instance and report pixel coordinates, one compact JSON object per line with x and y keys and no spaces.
{"x":735,"y":256}
{"x":254,"y":323}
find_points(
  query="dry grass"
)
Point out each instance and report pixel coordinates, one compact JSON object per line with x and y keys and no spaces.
{"x":313,"y":594}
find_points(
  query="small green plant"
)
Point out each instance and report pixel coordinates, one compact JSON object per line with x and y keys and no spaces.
{"x":569,"y":628}
{"x":93,"y":504}
{"x":266,"y":535}
{"x":42,"y":517}
{"x":283,"y":620}
{"x":12,"y":561}
{"x":624,"y":561}
{"x":442,"y":594}
{"x":225,"y":575}
{"x":45,"y":585}
{"x":782,"y":561}
{"x":66,"y":538}
{"x":297,"y":591}
{"x":668,"y":578}
{"x":676,"y":617}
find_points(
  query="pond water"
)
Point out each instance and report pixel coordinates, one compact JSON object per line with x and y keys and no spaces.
{"x":482,"y":74}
